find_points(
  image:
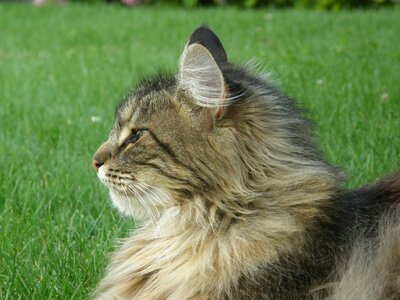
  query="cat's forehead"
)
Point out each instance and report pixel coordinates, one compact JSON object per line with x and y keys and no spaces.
{"x":149,"y":97}
{"x":142,"y":108}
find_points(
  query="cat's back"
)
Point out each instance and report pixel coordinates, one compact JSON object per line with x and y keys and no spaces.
{"x":357,"y":256}
{"x":374,"y":203}
{"x":371,"y":270}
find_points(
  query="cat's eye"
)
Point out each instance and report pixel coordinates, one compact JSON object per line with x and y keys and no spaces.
{"x":135,"y":136}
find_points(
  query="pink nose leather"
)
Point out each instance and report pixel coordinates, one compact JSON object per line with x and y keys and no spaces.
{"x":96,"y":164}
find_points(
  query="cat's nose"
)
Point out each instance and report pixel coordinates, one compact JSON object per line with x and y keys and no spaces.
{"x":97,"y":164}
{"x":102,"y":155}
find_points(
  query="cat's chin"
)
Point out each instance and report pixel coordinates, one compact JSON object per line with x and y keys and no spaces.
{"x":127,"y":205}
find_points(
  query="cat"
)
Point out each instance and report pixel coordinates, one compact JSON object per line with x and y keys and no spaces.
{"x":234,"y":199}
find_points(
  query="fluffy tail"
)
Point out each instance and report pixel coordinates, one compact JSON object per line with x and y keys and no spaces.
{"x":372,"y":270}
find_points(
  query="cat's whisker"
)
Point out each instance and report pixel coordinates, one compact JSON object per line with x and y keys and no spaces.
{"x":152,"y":201}
{"x":160,"y":225}
{"x":157,"y":189}
{"x":129,"y":202}
{"x":142,"y":201}
{"x":125,"y":190}
{"x":144,"y":204}
{"x":138,"y":197}
{"x":150,"y":188}
{"x":139,"y":187}
{"x":153,"y":197}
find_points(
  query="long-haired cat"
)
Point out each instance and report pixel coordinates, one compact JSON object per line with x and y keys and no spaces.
{"x":234,"y":197}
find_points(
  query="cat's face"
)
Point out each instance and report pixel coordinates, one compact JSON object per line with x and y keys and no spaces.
{"x":214,"y":140}
{"x":164,"y":146}
{"x":147,"y":159}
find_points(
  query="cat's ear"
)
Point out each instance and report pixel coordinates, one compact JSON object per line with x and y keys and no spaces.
{"x":207,"y":38}
{"x":200,"y":76}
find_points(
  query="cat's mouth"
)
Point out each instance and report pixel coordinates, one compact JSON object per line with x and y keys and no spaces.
{"x":131,"y":196}
{"x":114,"y":179}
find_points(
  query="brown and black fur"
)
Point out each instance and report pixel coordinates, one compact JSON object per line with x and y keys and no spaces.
{"x":356,"y":217}
{"x":235,"y":199}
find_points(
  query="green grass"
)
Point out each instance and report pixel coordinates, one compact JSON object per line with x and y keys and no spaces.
{"x":59,"y":66}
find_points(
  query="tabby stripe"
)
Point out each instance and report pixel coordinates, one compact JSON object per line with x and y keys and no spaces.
{"x":167,"y":149}
{"x":166,"y":174}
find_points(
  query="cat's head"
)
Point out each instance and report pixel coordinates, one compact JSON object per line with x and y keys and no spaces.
{"x":168,"y":142}
{"x":211,"y":132}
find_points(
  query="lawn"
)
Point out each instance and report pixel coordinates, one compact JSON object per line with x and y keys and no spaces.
{"x":63,"y":70}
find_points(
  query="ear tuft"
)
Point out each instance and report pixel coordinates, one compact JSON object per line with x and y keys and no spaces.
{"x":200,"y":76}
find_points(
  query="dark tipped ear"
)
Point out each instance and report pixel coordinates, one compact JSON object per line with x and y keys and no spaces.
{"x":207,"y":38}
{"x":200,"y":76}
